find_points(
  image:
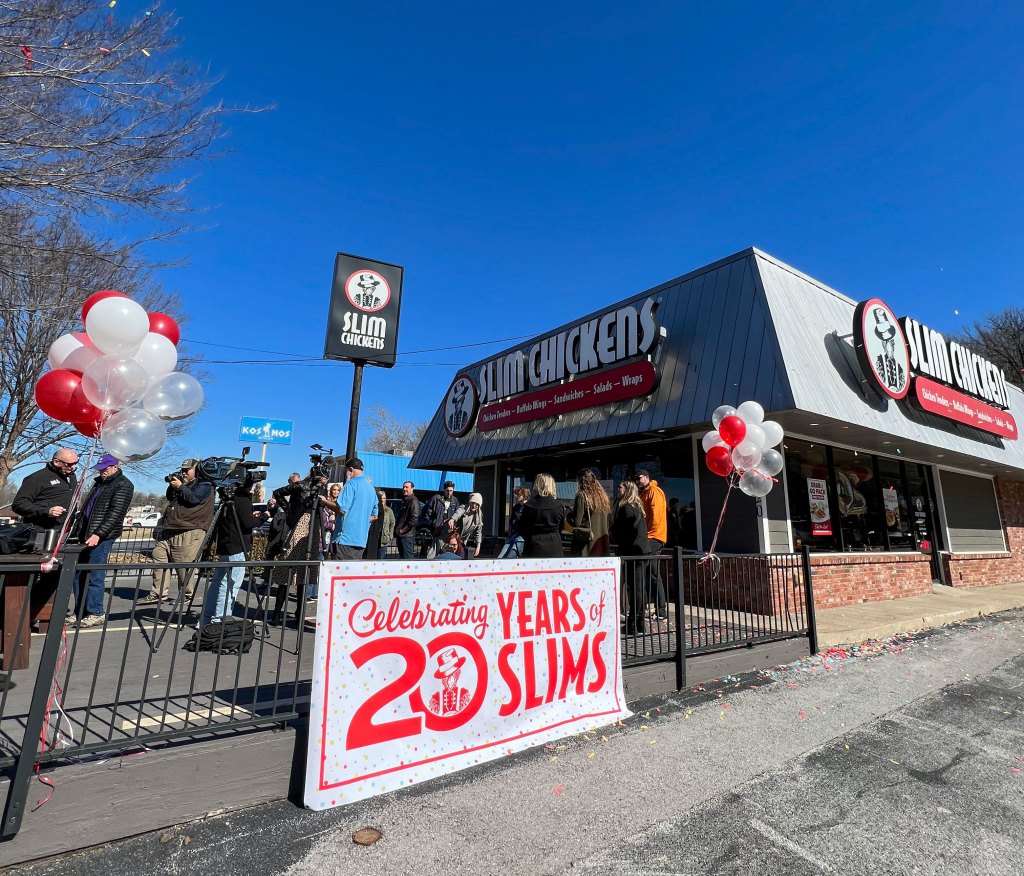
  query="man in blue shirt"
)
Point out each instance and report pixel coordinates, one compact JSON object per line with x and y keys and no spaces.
{"x":356,"y":505}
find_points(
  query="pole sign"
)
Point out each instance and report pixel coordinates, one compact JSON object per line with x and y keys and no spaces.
{"x":362,"y":324}
{"x":423,"y":668}
{"x":904,"y":359}
{"x":266,"y":431}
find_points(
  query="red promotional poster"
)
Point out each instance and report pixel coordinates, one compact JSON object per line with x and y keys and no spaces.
{"x":426,"y":668}
{"x":634,"y":380}
{"x":821,"y":517}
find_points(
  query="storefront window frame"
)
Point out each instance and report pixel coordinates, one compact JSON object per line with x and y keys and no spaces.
{"x":937,"y":515}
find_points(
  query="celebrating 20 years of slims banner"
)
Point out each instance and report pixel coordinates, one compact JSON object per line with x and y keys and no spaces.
{"x":425,"y":668}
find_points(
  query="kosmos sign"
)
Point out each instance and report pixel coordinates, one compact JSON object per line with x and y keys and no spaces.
{"x":570,"y":370}
{"x":901,"y":357}
{"x":365,"y":302}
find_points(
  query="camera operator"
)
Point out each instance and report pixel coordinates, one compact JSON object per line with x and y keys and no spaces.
{"x":301,"y":497}
{"x":186,"y":521}
{"x":234,"y":544}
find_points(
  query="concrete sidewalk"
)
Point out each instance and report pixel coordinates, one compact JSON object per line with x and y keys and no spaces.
{"x":944,"y":605}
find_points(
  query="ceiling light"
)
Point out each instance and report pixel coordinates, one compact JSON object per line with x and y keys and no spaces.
{"x":887,"y":442}
{"x":814,"y":424}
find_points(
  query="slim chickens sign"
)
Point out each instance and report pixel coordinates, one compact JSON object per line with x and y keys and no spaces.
{"x":362,"y":324}
{"x":903,"y":358}
{"x":420,"y":672}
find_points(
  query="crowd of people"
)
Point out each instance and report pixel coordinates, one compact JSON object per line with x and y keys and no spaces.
{"x":311,"y":520}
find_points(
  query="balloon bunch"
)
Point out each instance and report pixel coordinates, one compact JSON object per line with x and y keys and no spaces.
{"x":742,"y":444}
{"x":116,"y":380}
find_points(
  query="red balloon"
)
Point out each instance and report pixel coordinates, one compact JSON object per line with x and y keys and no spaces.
{"x":162,"y":324}
{"x":719,"y":460}
{"x":91,"y":428}
{"x":54,"y":392}
{"x":79,"y":408}
{"x":733,"y":430}
{"x":96,"y":298}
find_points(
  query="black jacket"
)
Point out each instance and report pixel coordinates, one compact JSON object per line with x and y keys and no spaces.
{"x":541,"y":527}
{"x":407,"y":520}
{"x":435,"y":516}
{"x":235,"y":537}
{"x":113,"y":498}
{"x":629,"y":532}
{"x":39,"y":492}
{"x":296,"y":500}
{"x":277,"y":535}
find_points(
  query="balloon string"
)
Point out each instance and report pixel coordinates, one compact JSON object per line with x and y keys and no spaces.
{"x":718,"y":526}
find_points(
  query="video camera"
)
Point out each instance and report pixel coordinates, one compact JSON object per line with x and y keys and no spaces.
{"x":229,"y":473}
{"x":322,"y":463}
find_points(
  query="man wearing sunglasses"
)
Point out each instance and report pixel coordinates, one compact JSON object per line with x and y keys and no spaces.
{"x":45,"y":495}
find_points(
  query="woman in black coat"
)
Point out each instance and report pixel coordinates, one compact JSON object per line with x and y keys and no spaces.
{"x":542,"y":520}
{"x":629,"y":533}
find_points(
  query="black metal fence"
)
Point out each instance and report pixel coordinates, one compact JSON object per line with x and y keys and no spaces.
{"x":124,"y":681}
{"x":678,"y":605}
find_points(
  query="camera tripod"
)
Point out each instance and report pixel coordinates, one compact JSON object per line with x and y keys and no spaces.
{"x":179,"y":610}
{"x":302,"y":582}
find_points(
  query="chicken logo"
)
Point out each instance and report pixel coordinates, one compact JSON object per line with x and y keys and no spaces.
{"x":368,"y":291}
{"x":460,"y":407}
{"x":882,"y":348}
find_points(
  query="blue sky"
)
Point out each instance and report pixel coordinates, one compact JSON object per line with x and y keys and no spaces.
{"x":528,"y":164}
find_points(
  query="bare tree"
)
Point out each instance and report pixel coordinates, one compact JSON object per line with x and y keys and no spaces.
{"x":46,"y":274}
{"x":97,"y":110}
{"x":1000,"y":339}
{"x":392,"y":435}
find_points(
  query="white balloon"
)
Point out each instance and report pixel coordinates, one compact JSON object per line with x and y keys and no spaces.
{"x":712,"y":439}
{"x":752,"y":413}
{"x":157,"y":355}
{"x":755,"y":435}
{"x":117,"y":325}
{"x":65,"y":345}
{"x":174,"y":396}
{"x":133,"y":434}
{"x":773,"y":433}
{"x":721,"y":413}
{"x":771,"y":462}
{"x":114,"y":382}
{"x":753,"y":483}
{"x":746,"y":455}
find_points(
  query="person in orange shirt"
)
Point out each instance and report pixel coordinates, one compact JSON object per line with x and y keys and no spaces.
{"x":656,"y":508}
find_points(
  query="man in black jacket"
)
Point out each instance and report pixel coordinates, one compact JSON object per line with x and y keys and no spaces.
{"x":101,"y":523}
{"x":187,"y":519}
{"x":234,"y":544}
{"x":405,"y":526}
{"x":44,"y":496}
{"x":437,"y":514}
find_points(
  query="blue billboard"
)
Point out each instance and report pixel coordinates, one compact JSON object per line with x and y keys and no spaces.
{"x":266,"y":431}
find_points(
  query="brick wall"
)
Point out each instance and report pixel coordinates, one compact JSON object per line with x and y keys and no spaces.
{"x":849,"y":579}
{"x":984,"y":570}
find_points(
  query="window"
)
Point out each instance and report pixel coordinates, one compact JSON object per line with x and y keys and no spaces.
{"x":843,"y":500}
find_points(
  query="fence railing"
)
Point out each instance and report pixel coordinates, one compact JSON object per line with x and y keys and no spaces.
{"x":124,"y":680}
{"x":680,"y":605}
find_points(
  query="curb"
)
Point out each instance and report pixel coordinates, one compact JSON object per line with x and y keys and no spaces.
{"x":853,"y":635}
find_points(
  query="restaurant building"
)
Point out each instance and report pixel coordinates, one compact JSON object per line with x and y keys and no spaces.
{"x":902,"y":459}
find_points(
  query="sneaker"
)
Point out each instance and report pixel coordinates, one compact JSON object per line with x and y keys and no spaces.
{"x":92,"y":620}
{"x":152,"y":599}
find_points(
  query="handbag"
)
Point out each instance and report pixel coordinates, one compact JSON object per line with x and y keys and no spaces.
{"x":582,"y":536}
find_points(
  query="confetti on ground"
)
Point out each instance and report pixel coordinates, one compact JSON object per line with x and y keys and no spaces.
{"x":592,"y":755}
{"x":558,"y":789}
{"x":896,"y":762}
{"x":803,"y":716}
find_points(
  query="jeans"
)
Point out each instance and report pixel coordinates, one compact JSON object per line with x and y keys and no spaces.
{"x":407,"y":546}
{"x":94,"y":581}
{"x":220,"y":596}
{"x":513,"y":548}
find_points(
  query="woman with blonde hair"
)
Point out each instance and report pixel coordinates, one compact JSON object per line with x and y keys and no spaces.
{"x":542,"y":520}
{"x":629,"y":532}
{"x":591,"y":515}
